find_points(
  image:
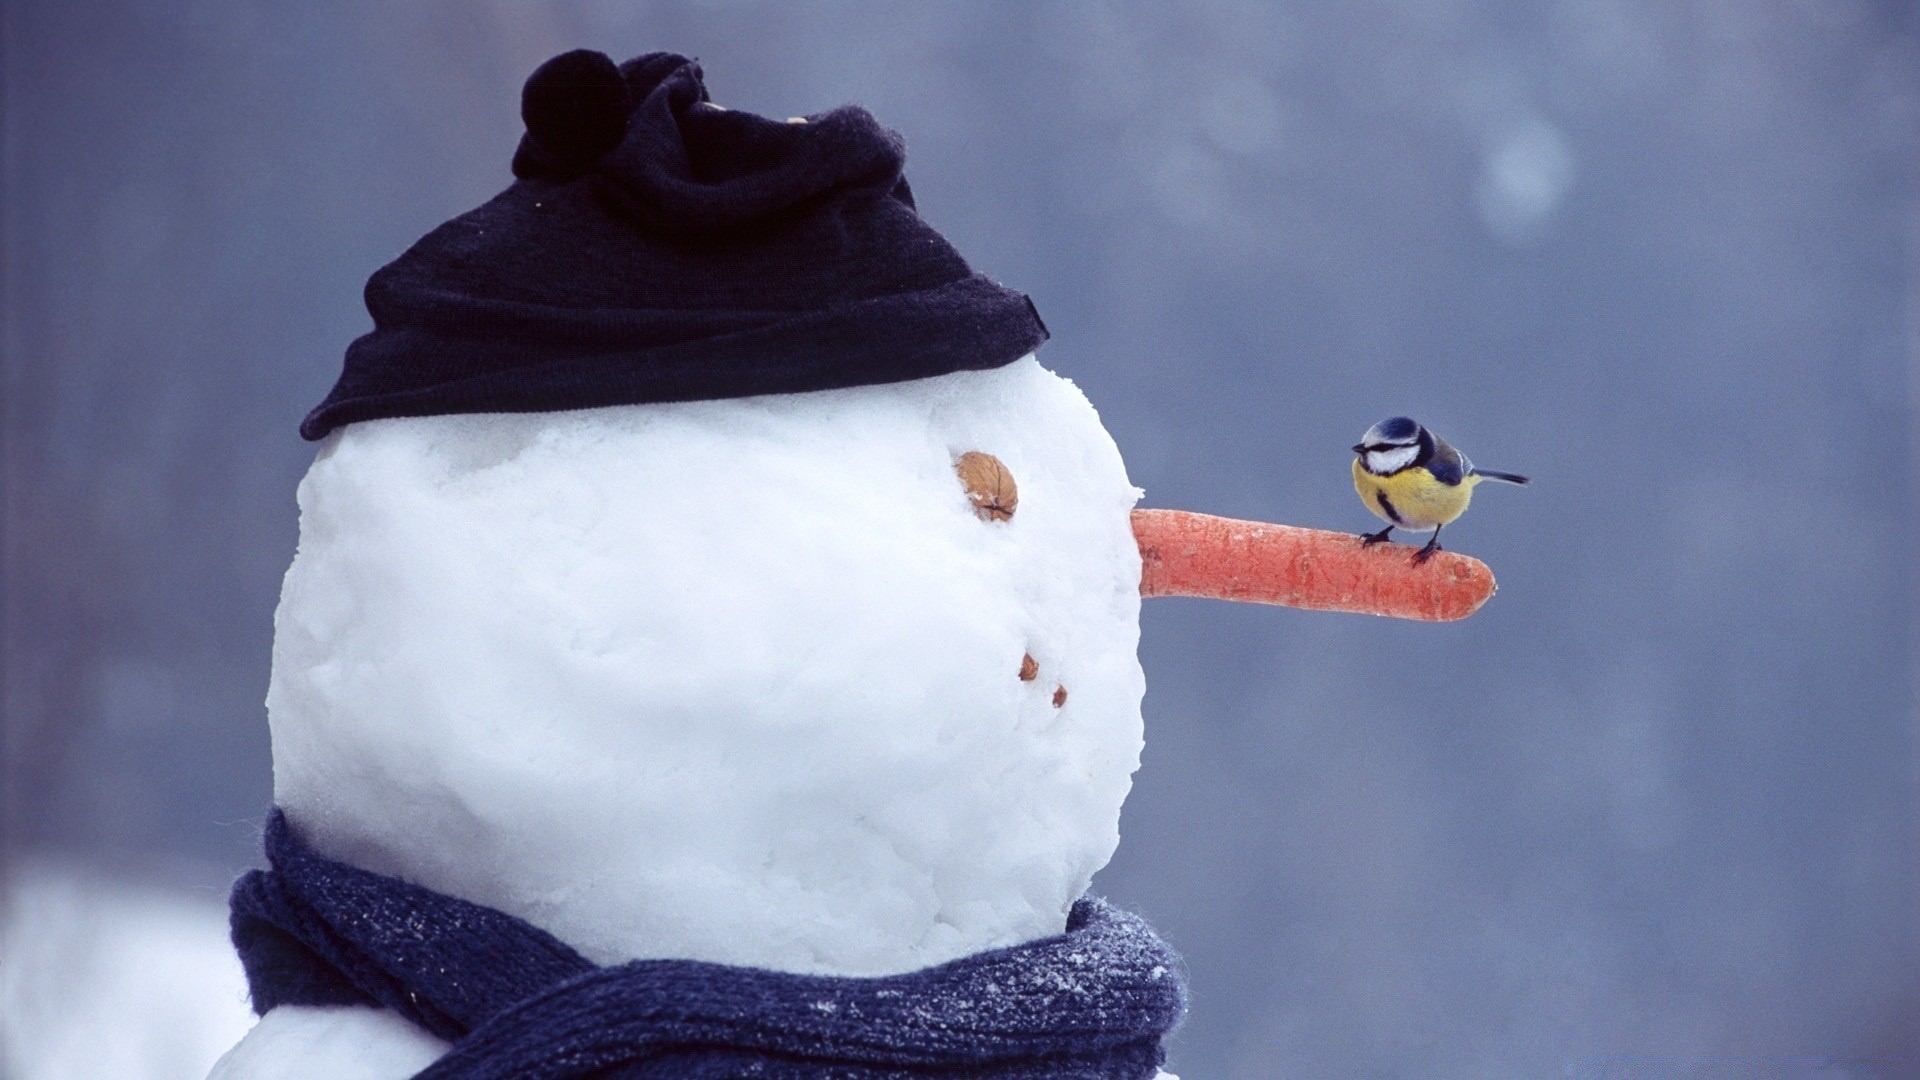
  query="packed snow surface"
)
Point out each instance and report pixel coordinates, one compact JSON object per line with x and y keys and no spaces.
{"x":329,"y":1042}
{"x":725,"y":680}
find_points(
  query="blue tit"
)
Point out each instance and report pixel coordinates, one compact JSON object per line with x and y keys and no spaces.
{"x":1411,"y":479}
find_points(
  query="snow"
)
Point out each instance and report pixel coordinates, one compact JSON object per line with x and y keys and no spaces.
{"x":100,"y":977}
{"x":334,"y":1042}
{"x":726,"y":680}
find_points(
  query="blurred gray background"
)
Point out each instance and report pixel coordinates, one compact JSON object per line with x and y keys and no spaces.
{"x":1654,"y":806}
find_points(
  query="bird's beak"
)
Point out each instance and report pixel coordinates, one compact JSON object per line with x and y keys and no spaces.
{"x":1359,"y":448}
{"x":1187,"y":554}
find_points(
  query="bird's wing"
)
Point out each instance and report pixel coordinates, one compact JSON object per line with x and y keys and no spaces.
{"x":1449,"y":466}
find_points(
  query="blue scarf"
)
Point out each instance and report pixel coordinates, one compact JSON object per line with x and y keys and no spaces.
{"x":1094,"y":1002}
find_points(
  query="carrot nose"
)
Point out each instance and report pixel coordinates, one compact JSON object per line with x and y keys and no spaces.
{"x":1188,"y":554}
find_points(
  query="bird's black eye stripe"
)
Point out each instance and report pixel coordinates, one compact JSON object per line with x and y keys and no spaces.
{"x":1377,"y":447}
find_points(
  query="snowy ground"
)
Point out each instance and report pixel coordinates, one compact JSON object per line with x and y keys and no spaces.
{"x":101,"y":978}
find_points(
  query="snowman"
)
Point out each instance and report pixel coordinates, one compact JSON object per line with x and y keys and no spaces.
{"x":711,"y":648}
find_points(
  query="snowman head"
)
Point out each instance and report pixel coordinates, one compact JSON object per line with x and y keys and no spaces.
{"x":749,"y":681}
{"x":638,"y":592}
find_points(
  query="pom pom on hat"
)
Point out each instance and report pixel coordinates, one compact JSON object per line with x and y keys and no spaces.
{"x":656,"y":247}
{"x":575,"y":107}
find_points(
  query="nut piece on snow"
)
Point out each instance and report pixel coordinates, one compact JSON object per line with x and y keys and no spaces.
{"x":1029,"y":668}
{"x":1059,"y":696}
{"x":989,"y":485}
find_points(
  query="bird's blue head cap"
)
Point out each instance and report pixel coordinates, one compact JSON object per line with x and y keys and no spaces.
{"x":1393,"y":431}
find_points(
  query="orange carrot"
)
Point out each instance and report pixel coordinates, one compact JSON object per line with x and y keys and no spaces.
{"x":1188,"y":554}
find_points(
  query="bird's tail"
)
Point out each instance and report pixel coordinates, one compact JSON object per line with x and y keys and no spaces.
{"x":1503,"y":477}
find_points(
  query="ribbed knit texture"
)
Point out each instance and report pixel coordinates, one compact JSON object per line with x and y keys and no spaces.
{"x":657,"y":247}
{"x":1094,"y":1002}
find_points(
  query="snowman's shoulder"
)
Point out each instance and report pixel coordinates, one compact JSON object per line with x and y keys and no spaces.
{"x":335,"y":1042}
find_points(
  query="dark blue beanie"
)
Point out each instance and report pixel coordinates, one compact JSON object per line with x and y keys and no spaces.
{"x":657,"y":247}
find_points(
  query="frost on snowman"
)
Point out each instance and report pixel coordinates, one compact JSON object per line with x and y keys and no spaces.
{"x":711,"y":649}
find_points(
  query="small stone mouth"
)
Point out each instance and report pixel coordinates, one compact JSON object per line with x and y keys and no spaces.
{"x":1030,"y":670}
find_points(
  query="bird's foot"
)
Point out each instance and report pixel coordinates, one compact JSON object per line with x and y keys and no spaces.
{"x":1426,"y":553}
{"x":1370,"y":539}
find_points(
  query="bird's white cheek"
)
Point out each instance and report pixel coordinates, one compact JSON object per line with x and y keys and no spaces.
{"x":1382,"y":462}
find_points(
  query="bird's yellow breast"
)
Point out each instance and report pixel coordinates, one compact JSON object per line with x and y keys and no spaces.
{"x":1417,"y":500}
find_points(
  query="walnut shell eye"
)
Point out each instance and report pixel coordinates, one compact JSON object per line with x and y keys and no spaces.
{"x":989,"y":485}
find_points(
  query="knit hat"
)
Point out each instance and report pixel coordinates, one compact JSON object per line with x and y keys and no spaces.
{"x":657,"y":247}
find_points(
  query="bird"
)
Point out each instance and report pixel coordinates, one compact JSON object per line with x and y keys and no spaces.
{"x":1412,"y":480}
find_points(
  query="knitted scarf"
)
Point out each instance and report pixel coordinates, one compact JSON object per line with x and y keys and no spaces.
{"x":1094,"y":1002}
